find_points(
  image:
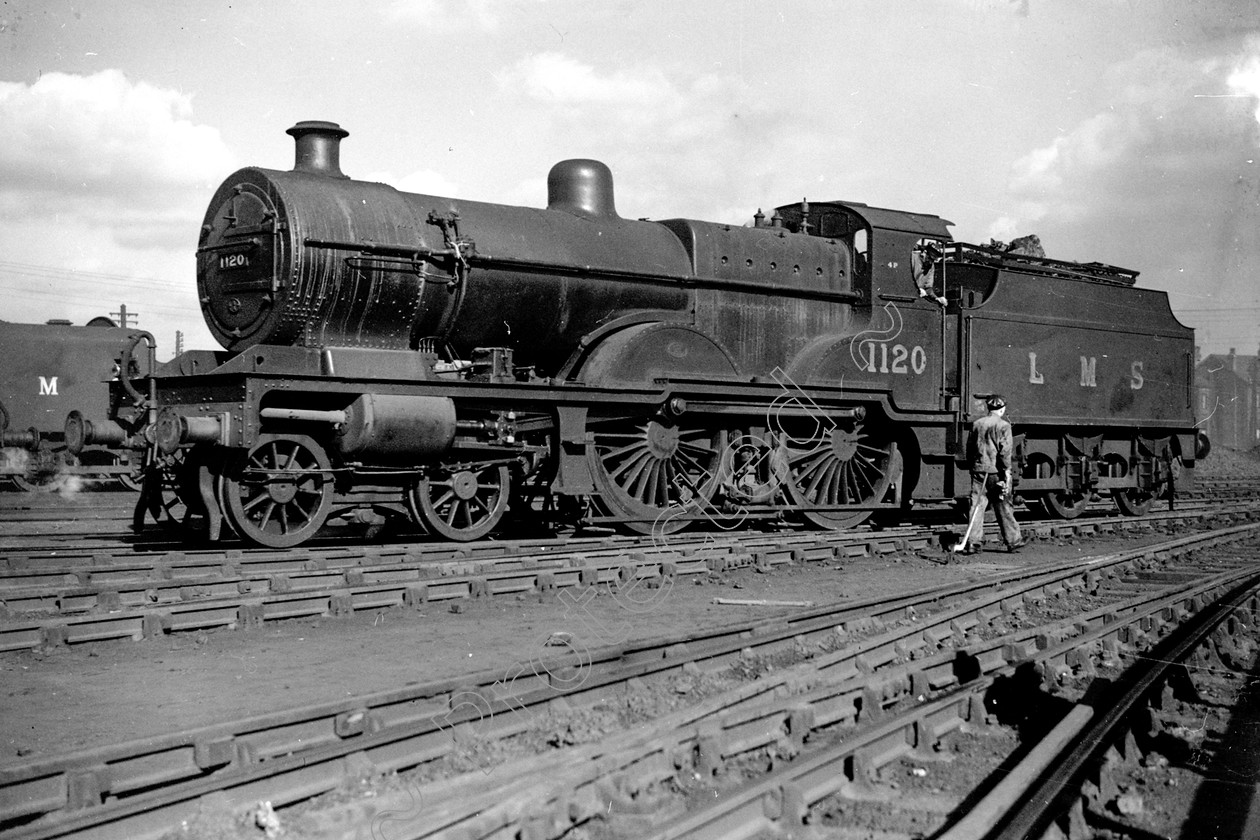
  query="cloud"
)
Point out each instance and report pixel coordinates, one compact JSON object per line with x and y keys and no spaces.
{"x":695,"y":144}
{"x":103,"y":134}
{"x":553,"y":78}
{"x":100,"y":150}
{"x":104,"y":175}
{"x":1245,"y":80}
{"x":1165,"y":181}
{"x":1167,"y":146}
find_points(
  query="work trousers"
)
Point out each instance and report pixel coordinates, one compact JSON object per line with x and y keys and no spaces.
{"x":985,"y":491}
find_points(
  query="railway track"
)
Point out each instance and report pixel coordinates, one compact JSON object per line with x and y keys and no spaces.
{"x":49,"y":523}
{"x":1091,"y":691}
{"x":894,"y":676}
{"x":86,"y":596}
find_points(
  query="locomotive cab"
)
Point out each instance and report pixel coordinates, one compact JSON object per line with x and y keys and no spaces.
{"x":883,"y":241}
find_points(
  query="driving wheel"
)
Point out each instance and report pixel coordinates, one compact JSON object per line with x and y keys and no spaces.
{"x":647,"y":473}
{"x":839,"y":465}
{"x":280,"y":495}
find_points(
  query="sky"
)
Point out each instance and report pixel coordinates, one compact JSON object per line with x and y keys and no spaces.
{"x":1118,"y":131}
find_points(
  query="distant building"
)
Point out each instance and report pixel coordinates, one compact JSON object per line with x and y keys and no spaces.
{"x":1228,"y":391}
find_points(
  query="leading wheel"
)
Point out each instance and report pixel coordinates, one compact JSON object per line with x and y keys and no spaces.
{"x":463,"y":504}
{"x":279,"y":497}
{"x":839,"y":465}
{"x":647,"y":474}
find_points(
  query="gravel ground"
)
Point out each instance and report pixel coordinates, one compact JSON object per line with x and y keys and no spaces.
{"x":67,"y":698}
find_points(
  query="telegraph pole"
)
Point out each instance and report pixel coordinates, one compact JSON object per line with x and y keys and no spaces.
{"x":124,"y":317}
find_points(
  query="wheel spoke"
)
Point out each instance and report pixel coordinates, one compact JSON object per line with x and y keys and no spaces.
{"x":697,"y":451}
{"x":838,"y":484}
{"x":665,"y":486}
{"x":859,"y":478}
{"x":267,"y":513}
{"x":254,"y":501}
{"x":637,"y":462}
{"x":818,"y":474}
{"x":645,"y":487}
{"x":854,"y":483}
{"x":805,"y":455}
{"x":616,"y":454}
{"x":671,"y":478}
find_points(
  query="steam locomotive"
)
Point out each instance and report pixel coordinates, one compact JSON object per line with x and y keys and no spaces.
{"x":461,"y":363}
{"x":48,"y":369}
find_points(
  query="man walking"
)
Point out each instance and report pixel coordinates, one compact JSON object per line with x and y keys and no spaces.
{"x":990,"y":454}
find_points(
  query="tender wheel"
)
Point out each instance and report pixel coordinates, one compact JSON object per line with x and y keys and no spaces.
{"x":1133,"y":502}
{"x":648,"y":473}
{"x":1059,"y":505}
{"x":839,"y":465}
{"x":42,"y":468}
{"x":33,"y":483}
{"x":279,"y":497}
{"x":462,"y":504}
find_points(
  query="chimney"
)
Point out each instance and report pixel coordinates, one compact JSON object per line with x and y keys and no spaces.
{"x":318,"y":147}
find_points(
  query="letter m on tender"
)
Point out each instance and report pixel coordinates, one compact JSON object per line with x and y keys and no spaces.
{"x":1089,"y":372}
{"x":48,"y":387}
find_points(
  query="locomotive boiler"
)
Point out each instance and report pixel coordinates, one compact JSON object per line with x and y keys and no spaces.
{"x":456,"y":362}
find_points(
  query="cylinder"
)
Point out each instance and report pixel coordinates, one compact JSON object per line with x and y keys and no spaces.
{"x":82,"y":432}
{"x":386,"y":427}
